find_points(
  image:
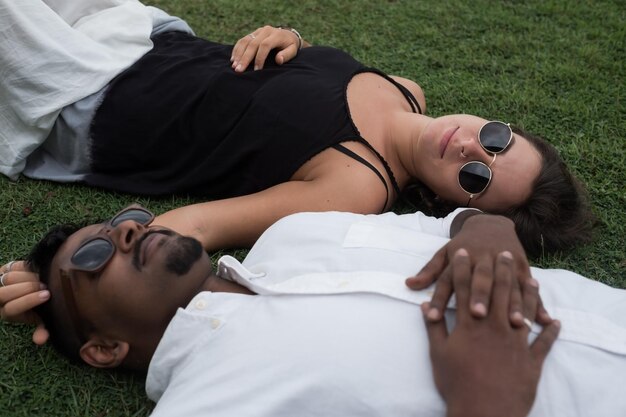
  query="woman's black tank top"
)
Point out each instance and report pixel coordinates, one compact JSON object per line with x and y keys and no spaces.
{"x":180,"y":120}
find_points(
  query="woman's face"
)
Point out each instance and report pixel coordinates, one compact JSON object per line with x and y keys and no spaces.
{"x":449,"y":142}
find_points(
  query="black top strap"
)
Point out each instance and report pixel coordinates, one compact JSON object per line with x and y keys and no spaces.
{"x":356,"y":157}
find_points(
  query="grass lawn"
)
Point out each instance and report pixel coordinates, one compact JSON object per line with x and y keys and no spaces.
{"x":555,"y":68}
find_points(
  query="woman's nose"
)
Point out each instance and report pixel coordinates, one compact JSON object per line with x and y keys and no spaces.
{"x":471,"y":150}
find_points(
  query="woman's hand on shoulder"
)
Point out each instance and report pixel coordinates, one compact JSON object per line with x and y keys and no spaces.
{"x":258,"y":44}
{"x":20,"y":293}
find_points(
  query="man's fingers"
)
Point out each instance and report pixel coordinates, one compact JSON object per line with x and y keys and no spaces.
{"x":482,"y":282}
{"x":542,"y":316}
{"x":441,"y":295}
{"x":430,"y":272}
{"x":501,"y":295}
{"x":530,"y":299}
{"x":436,"y":330}
{"x":543,"y":343}
{"x":461,"y":281}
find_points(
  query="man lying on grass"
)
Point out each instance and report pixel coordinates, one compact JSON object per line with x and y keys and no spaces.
{"x":318,"y":320}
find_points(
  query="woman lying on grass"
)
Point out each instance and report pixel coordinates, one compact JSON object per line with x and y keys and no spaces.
{"x":304,"y":129}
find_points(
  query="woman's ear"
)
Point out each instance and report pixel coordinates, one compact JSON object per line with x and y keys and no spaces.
{"x":101,"y":353}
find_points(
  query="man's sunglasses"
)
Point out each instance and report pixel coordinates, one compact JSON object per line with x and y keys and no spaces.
{"x":93,"y":255}
{"x":475,"y":176}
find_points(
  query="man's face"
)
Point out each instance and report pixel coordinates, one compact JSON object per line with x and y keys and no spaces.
{"x":152,"y":272}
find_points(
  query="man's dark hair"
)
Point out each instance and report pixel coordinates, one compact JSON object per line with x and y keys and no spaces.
{"x":62,"y":335}
{"x":557,"y":214}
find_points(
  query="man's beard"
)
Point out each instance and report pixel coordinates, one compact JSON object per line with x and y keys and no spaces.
{"x":184,"y":253}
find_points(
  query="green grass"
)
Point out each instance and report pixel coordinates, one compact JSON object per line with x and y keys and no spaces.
{"x":555,"y":68}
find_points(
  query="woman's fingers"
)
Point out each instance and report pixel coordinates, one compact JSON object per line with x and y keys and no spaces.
{"x":40,"y":335}
{"x":16,"y":277}
{"x":18,"y":300}
{"x":256,"y":47}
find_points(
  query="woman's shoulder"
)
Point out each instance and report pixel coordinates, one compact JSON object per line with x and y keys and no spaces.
{"x":414,"y":89}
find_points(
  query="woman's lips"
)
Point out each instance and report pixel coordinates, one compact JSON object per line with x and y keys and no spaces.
{"x":446,"y":139}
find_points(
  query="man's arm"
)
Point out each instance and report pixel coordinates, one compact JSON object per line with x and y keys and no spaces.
{"x":485,"y":367}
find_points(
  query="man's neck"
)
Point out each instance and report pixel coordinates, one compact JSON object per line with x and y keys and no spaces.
{"x":214,"y":283}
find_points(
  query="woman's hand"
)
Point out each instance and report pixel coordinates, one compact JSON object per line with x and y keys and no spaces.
{"x":484,"y":236}
{"x":20,"y":293}
{"x":258,"y":44}
{"x":484,"y":366}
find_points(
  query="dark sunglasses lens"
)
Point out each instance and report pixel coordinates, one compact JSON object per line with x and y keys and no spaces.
{"x":92,"y":255}
{"x":495,"y":136}
{"x":136,"y":215}
{"x":474,"y":177}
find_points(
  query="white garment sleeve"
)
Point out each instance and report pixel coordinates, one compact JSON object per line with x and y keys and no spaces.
{"x":50,"y":60}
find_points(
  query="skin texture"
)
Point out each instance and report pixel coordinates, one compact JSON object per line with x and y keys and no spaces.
{"x":484,"y":367}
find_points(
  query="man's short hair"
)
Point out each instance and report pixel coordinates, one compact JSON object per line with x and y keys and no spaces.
{"x":62,"y":335}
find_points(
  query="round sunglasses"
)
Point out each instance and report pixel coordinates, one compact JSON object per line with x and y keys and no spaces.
{"x":475,"y":176}
{"x":92,"y":255}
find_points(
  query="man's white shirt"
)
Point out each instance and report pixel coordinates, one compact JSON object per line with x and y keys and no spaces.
{"x":337,"y":333}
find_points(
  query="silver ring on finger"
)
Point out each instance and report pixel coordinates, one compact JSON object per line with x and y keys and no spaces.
{"x":252,"y":35}
{"x":7,"y":267}
{"x":2,"y":278}
{"x":528,"y":323}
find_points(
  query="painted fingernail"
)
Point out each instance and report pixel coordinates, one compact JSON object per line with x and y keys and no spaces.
{"x":462,"y":252}
{"x":507,"y":254}
{"x":480,"y":309}
{"x":256,"y":67}
{"x":44,"y":295}
{"x":533,"y":283}
{"x":238,"y":68}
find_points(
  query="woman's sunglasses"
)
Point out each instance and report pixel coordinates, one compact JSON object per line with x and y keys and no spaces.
{"x":475,"y":176}
{"x":93,"y":255}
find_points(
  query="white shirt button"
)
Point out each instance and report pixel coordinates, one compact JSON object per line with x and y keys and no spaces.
{"x":215,"y":323}
{"x":201,"y":304}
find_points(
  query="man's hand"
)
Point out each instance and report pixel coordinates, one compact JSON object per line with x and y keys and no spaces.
{"x":484,"y":236}
{"x":20,"y":294}
{"x":258,"y":44}
{"x":485,"y":367}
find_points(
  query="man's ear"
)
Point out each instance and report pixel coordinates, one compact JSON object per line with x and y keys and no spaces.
{"x":104,"y":353}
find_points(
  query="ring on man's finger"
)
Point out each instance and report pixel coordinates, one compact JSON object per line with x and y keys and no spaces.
{"x":528,"y":323}
{"x":252,"y":35}
{"x":2,"y":278}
